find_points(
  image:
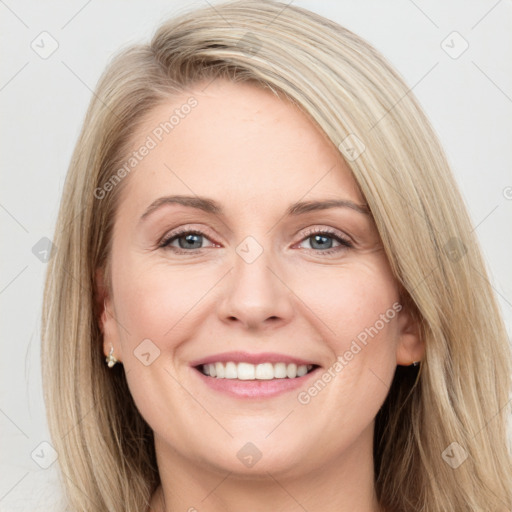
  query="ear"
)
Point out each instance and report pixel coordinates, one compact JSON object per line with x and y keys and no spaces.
{"x":105,"y":316}
{"x":411,"y":346}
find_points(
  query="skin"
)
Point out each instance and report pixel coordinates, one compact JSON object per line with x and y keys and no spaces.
{"x":255,"y":154}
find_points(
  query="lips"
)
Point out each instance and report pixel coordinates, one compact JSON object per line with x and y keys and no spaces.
{"x":245,"y":375}
{"x":252,"y":387}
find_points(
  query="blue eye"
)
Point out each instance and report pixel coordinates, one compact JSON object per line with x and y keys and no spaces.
{"x":187,"y":239}
{"x":320,"y":239}
{"x":190,"y":241}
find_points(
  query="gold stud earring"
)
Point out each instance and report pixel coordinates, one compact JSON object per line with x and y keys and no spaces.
{"x":110,"y":359}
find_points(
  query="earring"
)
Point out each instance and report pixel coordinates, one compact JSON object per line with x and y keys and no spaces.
{"x":110,"y":359}
{"x":415,"y":363}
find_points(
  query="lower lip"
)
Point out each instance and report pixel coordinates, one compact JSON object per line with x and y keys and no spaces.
{"x":254,"y":388}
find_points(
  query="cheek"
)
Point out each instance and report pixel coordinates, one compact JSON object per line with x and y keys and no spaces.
{"x":369,"y":321}
{"x":157,"y":308}
{"x":359,"y":302}
{"x":162,"y":303}
{"x":157,"y":301}
{"x":359,"y":324}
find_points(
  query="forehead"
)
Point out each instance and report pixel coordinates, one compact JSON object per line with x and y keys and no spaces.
{"x":237,"y":142}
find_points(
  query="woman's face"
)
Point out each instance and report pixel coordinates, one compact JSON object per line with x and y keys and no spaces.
{"x":249,"y":262}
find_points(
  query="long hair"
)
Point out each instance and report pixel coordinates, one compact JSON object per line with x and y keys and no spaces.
{"x":440,"y":439}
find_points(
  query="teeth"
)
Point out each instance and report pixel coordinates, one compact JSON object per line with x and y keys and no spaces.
{"x":231,"y":372}
{"x":247,"y":371}
{"x":265,"y":371}
{"x":219,"y":370}
{"x":301,"y":370}
{"x":291,"y":371}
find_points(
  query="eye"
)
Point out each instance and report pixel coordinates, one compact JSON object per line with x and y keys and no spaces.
{"x":188,"y":240}
{"x":191,"y":240}
{"x":321,"y":241}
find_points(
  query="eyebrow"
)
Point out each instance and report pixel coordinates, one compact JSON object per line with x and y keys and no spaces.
{"x":211,"y":206}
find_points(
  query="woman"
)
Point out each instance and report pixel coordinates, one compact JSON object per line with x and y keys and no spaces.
{"x":267,"y":293}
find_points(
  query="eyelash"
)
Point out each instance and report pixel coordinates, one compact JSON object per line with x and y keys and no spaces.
{"x":344,"y":243}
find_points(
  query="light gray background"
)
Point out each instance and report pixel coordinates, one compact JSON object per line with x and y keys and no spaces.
{"x":43,"y":101}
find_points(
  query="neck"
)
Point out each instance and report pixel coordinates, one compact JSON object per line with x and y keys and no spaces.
{"x":345,"y":483}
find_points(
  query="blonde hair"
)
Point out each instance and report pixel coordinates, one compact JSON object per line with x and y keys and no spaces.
{"x":461,"y":392}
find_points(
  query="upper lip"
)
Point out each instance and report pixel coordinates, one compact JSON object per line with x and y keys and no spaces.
{"x":253,"y":358}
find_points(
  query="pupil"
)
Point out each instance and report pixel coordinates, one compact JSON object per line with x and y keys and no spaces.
{"x":317,"y":238}
{"x":189,"y":239}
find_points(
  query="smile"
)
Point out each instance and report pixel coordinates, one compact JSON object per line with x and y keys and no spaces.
{"x":248,"y":371}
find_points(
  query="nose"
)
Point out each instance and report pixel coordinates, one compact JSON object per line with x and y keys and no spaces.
{"x":256,"y":296}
